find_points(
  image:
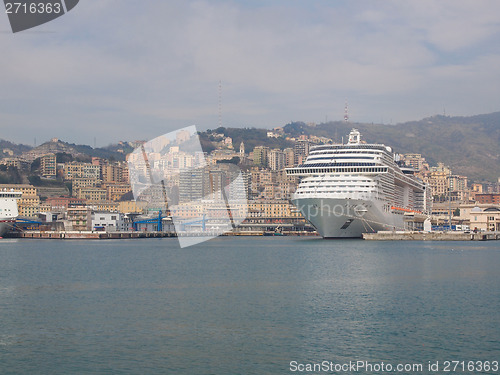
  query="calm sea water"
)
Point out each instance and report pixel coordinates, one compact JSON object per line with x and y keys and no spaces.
{"x":243,"y":305}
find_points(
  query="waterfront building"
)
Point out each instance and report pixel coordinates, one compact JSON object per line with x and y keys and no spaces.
{"x":109,"y":222}
{"x":268,"y":211}
{"x":131,"y":207}
{"x":78,"y":218}
{"x":28,"y":211}
{"x":485,"y":218}
{"x":441,"y":210}
{"x":186,"y":210}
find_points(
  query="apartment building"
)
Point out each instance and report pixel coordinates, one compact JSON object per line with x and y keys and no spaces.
{"x":48,"y":166}
{"x":488,"y":198}
{"x":114,"y":192}
{"x":78,"y":218}
{"x":91,"y":194}
{"x":81,"y":170}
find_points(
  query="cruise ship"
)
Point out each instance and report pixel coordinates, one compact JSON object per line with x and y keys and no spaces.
{"x":8,"y":209}
{"x":346,"y":190}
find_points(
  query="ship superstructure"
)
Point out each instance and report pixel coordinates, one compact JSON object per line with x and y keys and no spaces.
{"x":8,"y":209}
{"x":354,"y":188}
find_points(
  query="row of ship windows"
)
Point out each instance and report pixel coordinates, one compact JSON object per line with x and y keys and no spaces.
{"x":335,"y":192}
{"x":345,"y":152}
{"x":340,"y":186}
{"x":337,"y":165}
{"x":342,"y":177}
{"x":333,"y":157}
{"x":349,"y":148}
{"x":324,"y":188}
{"x":337,"y":170}
{"x":310,"y":182}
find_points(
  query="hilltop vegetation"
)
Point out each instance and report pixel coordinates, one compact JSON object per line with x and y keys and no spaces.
{"x":10,"y":175}
{"x":9,"y":149}
{"x":251,"y":137}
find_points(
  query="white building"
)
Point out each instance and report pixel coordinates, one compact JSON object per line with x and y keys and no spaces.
{"x":109,"y":222}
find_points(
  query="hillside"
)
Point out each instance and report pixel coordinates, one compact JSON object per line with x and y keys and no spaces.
{"x":10,"y":149}
{"x":469,"y":145}
{"x":251,"y":137}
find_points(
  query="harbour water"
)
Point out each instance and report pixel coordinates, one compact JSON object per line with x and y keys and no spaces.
{"x":245,"y":305}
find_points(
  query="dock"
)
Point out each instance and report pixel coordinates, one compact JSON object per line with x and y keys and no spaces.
{"x":87,"y":235}
{"x":100,"y":235}
{"x":431,"y":236}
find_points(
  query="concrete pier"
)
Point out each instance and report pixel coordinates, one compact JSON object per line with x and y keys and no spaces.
{"x":87,"y":235}
{"x":98,"y":235}
{"x":431,"y":236}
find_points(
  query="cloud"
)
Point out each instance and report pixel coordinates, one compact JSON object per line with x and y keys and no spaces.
{"x":127,"y":70}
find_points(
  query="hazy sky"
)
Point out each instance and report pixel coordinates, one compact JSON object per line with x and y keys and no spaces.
{"x":126,"y":70}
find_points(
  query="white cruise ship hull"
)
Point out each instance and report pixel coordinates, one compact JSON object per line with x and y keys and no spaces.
{"x":347,"y":218}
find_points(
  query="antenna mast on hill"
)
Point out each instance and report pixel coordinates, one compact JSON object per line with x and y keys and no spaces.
{"x":346,"y":112}
{"x":220,"y":104}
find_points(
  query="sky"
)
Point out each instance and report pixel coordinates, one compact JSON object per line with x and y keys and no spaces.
{"x":112,"y":70}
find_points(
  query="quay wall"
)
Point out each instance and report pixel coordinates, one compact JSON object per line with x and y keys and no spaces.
{"x":431,"y":236}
